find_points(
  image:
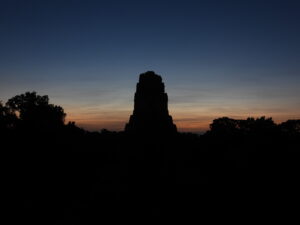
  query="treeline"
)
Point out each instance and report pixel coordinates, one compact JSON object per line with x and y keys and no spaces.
{"x":30,"y":111}
{"x":253,"y":126}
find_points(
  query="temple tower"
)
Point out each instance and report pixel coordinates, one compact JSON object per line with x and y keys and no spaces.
{"x":150,"y":114}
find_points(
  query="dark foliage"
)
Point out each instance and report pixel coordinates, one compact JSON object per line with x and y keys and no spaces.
{"x":250,"y":127}
{"x":290,"y":127}
{"x":7,"y":118}
{"x":240,"y":170}
{"x":35,"y":112}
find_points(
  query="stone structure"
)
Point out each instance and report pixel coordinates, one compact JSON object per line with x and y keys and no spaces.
{"x":150,"y":114}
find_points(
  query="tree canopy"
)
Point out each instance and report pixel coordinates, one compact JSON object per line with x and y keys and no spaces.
{"x":35,"y":111}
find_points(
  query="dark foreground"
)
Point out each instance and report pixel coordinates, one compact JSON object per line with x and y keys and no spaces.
{"x":243,"y":171}
{"x":75,"y":177}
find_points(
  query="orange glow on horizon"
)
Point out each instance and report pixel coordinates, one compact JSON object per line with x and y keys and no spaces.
{"x":185,"y":122}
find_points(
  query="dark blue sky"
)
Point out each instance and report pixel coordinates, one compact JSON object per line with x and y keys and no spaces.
{"x":217,"y":58}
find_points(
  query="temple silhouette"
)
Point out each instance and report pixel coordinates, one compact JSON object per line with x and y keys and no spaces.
{"x":150,"y":114}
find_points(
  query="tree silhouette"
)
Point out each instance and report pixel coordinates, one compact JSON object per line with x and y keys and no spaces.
{"x":7,"y":118}
{"x":224,"y":126}
{"x":291,"y":127}
{"x":35,"y":112}
{"x":257,"y":126}
{"x":227,"y":127}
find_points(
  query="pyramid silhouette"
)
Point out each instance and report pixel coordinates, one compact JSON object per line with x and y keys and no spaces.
{"x":150,"y":114}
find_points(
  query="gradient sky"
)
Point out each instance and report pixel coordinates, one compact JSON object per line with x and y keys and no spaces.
{"x":217,"y":58}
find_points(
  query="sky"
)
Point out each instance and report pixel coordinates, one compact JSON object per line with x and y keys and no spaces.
{"x":217,"y":58}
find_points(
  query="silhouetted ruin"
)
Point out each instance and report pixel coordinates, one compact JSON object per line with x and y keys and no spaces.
{"x":150,"y":112}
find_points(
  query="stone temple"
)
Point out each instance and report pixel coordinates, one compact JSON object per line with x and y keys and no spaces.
{"x":150,"y":114}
